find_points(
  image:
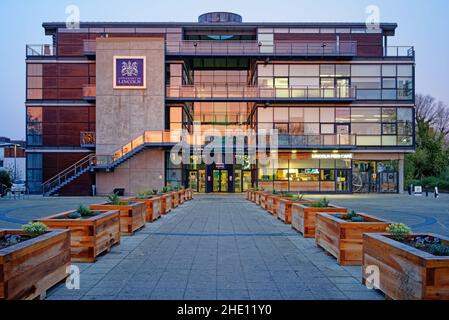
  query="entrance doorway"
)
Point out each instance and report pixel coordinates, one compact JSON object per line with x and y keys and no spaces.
{"x":343,"y":181}
{"x":220,"y":181}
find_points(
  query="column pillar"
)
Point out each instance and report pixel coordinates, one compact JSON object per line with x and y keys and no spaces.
{"x":401,"y":176}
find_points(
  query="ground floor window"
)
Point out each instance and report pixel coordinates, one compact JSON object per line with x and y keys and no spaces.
{"x":375,"y":176}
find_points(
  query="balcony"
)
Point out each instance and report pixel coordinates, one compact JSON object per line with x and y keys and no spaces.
{"x":40,"y":50}
{"x":254,"y":48}
{"x":89,"y":92}
{"x":399,"y":52}
{"x":254,"y":93}
{"x":89,"y":47}
{"x":317,"y":141}
{"x":88,"y":139}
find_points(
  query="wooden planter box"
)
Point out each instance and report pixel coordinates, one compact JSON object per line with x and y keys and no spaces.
{"x":30,"y":268}
{"x":284,"y":209}
{"x":406,"y":273}
{"x":272,"y":204}
{"x":132,"y":216}
{"x":182,"y":196}
{"x":304,"y":217}
{"x":189,"y":194}
{"x":174,"y":200}
{"x":264,"y":200}
{"x":153,"y":208}
{"x":258,"y":197}
{"x":90,"y":237}
{"x":343,"y":239}
{"x":165,"y":203}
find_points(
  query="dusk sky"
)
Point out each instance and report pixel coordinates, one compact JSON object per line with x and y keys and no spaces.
{"x":423,"y":24}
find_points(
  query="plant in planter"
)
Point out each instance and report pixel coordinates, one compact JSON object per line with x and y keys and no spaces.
{"x":413,"y":266}
{"x":304,"y":215}
{"x":132,"y":214}
{"x":341,"y":235}
{"x":32,"y":260}
{"x":92,"y":232}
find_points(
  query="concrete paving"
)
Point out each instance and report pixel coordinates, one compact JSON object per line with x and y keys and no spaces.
{"x":217,"y":247}
{"x":224,"y":247}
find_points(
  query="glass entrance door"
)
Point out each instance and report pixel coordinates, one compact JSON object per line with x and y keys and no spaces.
{"x":247,"y":180}
{"x":193,"y":180}
{"x":343,"y":181}
{"x":238,"y":181}
{"x":202,"y":181}
{"x":220,"y":180}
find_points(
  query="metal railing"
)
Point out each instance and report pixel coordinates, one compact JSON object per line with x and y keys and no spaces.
{"x":89,"y":91}
{"x":315,"y":141}
{"x":40,"y":50}
{"x":249,"y":92}
{"x":89,"y":46}
{"x":88,"y":139}
{"x":399,"y":51}
{"x":291,"y":48}
{"x":62,"y":177}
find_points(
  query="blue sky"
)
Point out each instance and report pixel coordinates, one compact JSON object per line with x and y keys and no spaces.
{"x":423,"y":24}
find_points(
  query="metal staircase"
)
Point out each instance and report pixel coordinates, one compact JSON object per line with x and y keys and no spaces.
{"x":63,"y":178}
{"x":108,"y":163}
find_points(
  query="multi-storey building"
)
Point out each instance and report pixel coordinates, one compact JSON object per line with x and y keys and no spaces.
{"x":105,"y":102}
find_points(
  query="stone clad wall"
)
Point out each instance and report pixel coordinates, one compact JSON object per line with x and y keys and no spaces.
{"x":123,"y":115}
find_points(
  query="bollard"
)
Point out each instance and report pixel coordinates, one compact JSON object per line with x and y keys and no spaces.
{"x":410,"y":189}
{"x":437,"y":194}
{"x":427,"y":193}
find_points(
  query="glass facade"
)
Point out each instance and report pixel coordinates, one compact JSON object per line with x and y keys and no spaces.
{"x":370,"y":82}
{"x":371,"y":126}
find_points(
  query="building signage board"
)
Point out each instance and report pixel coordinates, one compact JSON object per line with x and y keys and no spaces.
{"x":332,"y":156}
{"x":129,"y":72}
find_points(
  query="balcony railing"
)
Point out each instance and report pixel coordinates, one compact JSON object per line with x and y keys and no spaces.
{"x":236,"y":48}
{"x":253,"y":92}
{"x":316,"y":141}
{"x":40,"y":50}
{"x":89,"y":47}
{"x":89,"y":92}
{"x":88,"y":139}
{"x":399,"y":51}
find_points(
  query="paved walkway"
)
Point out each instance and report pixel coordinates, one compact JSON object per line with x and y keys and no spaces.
{"x":217,"y":247}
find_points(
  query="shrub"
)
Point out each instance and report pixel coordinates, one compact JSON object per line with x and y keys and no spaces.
{"x":5,"y":178}
{"x":323,"y":203}
{"x":440,"y":250}
{"x":35,"y":229}
{"x":399,"y":230}
{"x":114,"y":199}
{"x":85,"y":212}
{"x":74,"y":215}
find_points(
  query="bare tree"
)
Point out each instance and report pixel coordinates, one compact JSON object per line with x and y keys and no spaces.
{"x":433,"y":113}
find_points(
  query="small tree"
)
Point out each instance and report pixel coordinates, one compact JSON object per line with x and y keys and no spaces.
{"x":5,"y":178}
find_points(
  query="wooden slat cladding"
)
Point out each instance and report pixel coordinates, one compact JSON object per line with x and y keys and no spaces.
{"x":344,"y":239}
{"x":29,"y":269}
{"x":61,"y":126}
{"x":406,"y":273}
{"x":132,"y":216}
{"x":65,"y":81}
{"x":89,"y":237}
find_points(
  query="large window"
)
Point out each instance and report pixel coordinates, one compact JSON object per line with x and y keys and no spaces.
{"x":34,"y":126}
{"x":34,"y":172}
{"x":303,"y":175}
{"x":370,"y":82}
{"x":370,"y":126}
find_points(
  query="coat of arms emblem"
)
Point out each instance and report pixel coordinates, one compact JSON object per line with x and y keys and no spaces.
{"x":129,"y":69}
